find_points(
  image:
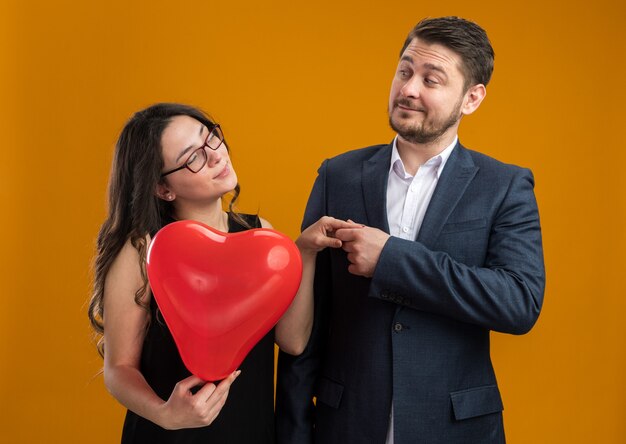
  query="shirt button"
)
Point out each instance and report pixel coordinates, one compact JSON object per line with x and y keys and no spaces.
{"x":397,"y":327}
{"x":405,"y":229}
{"x":412,"y":189}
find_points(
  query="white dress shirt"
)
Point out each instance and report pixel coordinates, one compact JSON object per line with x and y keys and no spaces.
{"x":407,"y":200}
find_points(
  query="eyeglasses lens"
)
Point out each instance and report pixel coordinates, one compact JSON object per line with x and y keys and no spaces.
{"x":215,"y":138}
{"x":197,"y":160}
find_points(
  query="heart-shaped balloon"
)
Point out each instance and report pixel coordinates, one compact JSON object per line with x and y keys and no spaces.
{"x":220,"y":293}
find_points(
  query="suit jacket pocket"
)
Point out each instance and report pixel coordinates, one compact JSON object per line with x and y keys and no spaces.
{"x":329,"y":392}
{"x":467,"y":225}
{"x":476,"y":401}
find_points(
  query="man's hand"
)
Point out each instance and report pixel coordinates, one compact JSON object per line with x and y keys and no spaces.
{"x":321,"y":235}
{"x":363,"y":245}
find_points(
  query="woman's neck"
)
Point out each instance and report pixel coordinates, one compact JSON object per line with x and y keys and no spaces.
{"x":211,"y":215}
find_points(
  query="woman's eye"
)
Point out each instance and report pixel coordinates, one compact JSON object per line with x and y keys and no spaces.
{"x":192,"y":159}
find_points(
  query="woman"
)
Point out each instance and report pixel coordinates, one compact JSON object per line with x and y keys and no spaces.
{"x":171,"y":163}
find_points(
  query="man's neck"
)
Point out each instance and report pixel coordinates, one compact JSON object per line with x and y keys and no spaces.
{"x":414,"y":155}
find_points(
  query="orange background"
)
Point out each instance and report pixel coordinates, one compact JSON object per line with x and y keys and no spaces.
{"x":291,"y":85}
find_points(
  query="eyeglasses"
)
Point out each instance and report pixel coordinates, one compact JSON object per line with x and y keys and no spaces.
{"x":197,"y":160}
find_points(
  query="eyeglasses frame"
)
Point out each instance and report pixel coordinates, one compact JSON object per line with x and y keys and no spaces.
{"x":204,"y":146}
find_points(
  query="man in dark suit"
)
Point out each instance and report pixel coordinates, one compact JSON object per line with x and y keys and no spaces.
{"x":449,"y":249}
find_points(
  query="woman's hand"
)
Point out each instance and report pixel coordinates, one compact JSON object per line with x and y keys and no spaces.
{"x":185,"y":409}
{"x":320,"y":235}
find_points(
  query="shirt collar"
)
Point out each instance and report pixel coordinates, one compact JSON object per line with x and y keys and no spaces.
{"x":438,"y":161}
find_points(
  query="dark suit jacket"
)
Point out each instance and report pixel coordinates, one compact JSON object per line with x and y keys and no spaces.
{"x":417,"y":332}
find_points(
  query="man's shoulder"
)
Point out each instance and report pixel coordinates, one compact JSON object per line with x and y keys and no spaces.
{"x":356,"y":156}
{"x":488,"y":163}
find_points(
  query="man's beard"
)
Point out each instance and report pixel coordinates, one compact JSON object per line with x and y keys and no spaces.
{"x":425,"y":132}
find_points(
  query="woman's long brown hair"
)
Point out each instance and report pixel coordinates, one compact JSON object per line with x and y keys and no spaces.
{"x":134,"y":210}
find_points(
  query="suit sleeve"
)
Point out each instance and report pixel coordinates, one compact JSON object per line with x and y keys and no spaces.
{"x":505,"y":294}
{"x":296,"y":375}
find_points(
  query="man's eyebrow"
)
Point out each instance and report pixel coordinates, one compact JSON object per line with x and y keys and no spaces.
{"x":186,"y":150}
{"x":434,"y":67}
{"x":429,"y":66}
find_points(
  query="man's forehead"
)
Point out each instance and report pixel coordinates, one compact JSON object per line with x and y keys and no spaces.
{"x":421,"y":52}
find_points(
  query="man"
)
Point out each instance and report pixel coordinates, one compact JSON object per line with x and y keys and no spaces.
{"x":450,"y":249}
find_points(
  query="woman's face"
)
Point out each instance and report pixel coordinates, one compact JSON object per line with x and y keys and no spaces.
{"x":180,"y":139}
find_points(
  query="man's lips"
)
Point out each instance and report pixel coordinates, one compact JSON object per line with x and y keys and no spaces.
{"x":408,"y":107}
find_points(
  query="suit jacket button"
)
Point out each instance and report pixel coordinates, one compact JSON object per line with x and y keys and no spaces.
{"x":397,"y":327}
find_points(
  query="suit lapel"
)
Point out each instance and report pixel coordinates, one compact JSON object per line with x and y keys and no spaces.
{"x":374,"y":180}
{"x":457,"y":174}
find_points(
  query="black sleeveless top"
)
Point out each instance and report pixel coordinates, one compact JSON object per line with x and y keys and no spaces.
{"x":248,"y":415}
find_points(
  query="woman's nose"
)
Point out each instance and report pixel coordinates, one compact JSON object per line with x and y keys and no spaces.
{"x":215,"y":157}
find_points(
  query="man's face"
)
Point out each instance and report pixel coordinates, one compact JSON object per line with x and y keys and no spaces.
{"x":427,"y":95}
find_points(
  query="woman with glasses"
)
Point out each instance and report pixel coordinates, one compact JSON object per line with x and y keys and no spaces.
{"x":171,"y":163}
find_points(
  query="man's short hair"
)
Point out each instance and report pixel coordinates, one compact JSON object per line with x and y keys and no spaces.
{"x":465,"y":38}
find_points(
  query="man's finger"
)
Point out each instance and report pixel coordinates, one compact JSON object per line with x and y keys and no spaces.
{"x":346,"y":234}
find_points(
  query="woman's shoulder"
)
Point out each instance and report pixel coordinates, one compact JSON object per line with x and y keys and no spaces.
{"x":125,"y":275}
{"x":265,"y":223}
{"x":128,"y":254}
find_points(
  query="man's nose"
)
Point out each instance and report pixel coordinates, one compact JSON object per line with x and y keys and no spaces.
{"x":412,"y":87}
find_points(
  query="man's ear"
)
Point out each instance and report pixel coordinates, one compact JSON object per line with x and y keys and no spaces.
{"x":473,"y":98}
{"x":163,"y":192}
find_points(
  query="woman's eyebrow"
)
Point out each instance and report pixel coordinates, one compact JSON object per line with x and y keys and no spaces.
{"x":186,"y":150}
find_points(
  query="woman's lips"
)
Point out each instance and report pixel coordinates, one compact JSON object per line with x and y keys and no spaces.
{"x":225,"y":172}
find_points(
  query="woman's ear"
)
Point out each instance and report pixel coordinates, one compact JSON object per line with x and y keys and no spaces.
{"x":163,"y":192}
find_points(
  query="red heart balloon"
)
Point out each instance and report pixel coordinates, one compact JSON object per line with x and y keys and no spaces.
{"x":220,"y":293}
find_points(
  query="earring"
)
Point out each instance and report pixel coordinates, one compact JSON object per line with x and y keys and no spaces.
{"x":170,"y":197}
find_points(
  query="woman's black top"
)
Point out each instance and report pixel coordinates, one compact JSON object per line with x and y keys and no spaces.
{"x":248,"y":415}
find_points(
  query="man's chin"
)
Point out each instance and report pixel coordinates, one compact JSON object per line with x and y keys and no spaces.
{"x":415,"y":135}
{"x":402,"y":125}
